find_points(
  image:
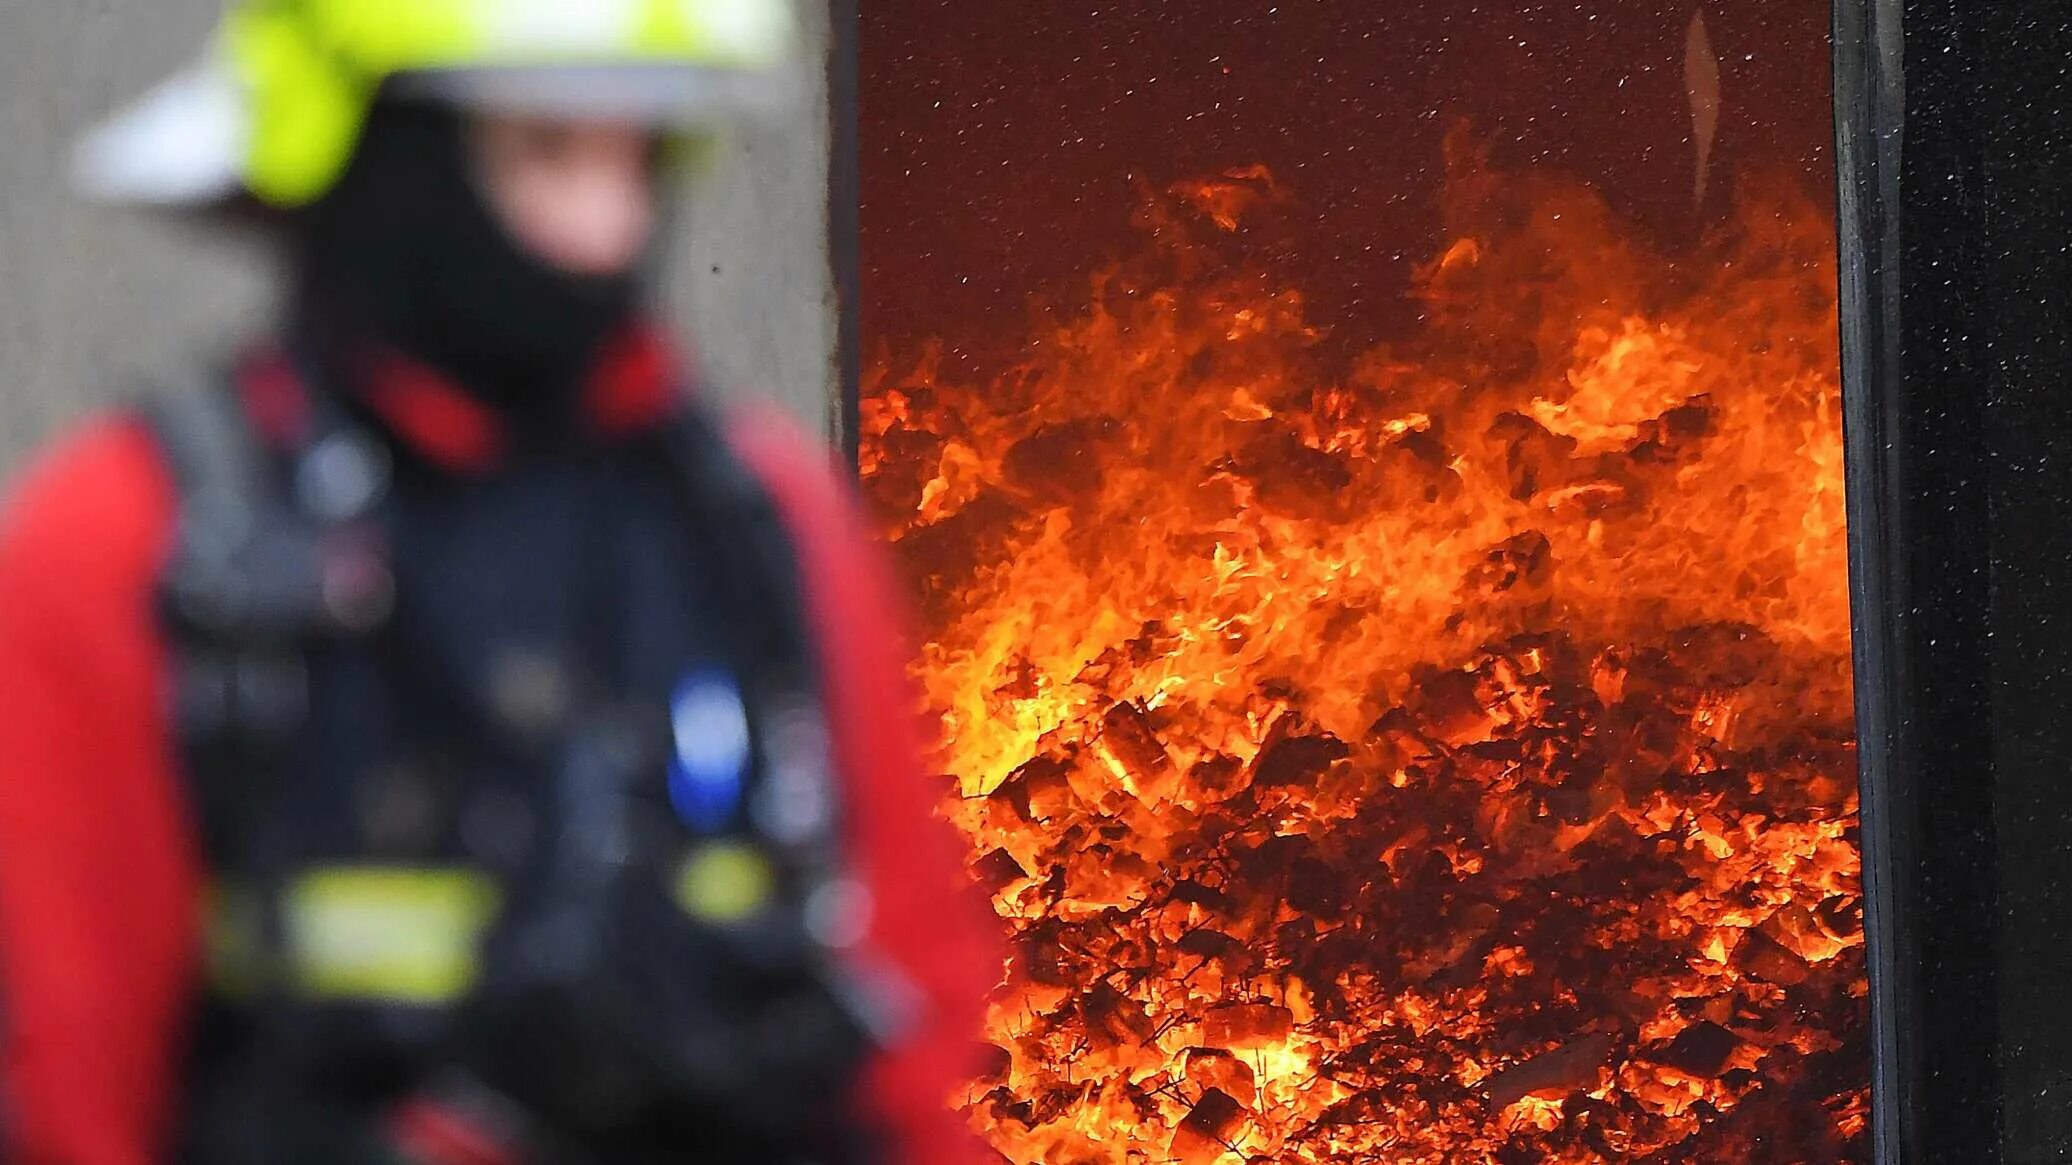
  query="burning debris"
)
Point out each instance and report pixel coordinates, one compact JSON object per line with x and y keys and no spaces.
{"x":1437,"y":755}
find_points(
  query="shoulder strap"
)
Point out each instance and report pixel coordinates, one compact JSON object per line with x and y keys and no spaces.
{"x":215,"y":456}
{"x":758,"y":565}
{"x":274,"y":546}
{"x":257,"y":574}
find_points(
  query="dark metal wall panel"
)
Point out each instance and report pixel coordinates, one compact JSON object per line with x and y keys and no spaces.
{"x":1868,"y":118}
{"x":1957,"y":238}
{"x":844,"y":213}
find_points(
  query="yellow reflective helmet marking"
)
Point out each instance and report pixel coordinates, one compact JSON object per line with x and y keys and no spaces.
{"x":749,"y":35}
{"x":557,"y":29}
{"x":305,"y":106}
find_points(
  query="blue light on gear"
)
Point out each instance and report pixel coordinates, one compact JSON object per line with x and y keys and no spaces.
{"x":709,"y":765}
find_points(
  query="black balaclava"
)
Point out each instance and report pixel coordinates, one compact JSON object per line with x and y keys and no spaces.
{"x":405,"y":253}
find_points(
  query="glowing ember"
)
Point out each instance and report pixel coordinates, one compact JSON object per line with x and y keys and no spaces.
{"x":1440,"y":755}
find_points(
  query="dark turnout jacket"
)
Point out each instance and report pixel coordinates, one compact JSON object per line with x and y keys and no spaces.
{"x":102,"y":871}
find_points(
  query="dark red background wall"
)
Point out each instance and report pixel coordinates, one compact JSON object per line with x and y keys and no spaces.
{"x":1001,"y":141}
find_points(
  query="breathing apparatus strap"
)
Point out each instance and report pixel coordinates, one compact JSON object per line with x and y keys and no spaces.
{"x":275,"y":550}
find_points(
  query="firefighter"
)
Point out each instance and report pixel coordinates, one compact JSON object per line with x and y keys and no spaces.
{"x":436,"y":734}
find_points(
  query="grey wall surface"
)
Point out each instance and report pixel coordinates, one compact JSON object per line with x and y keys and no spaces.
{"x":95,"y":302}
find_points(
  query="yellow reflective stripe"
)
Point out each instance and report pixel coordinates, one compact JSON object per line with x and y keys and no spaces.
{"x":395,"y":935}
{"x":381,"y":36}
{"x":724,"y":882}
{"x":742,"y":35}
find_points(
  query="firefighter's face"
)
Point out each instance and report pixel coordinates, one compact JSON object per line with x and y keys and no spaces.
{"x":578,"y":194}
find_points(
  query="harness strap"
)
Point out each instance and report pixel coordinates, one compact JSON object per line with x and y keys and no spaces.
{"x":275,"y":550}
{"x":214,"y":454}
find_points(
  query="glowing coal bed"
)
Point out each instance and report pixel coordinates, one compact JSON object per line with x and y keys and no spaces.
{"x":1437,"y":751}
{"x":1384,"y":592}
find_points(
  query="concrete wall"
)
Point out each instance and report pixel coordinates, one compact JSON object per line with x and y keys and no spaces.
{"x":92,"y":300}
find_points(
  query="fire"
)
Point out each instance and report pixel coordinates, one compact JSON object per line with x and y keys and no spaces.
{"x":1439,"y":753}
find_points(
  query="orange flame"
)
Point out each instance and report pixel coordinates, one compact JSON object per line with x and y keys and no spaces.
{"x":1438,"y":756}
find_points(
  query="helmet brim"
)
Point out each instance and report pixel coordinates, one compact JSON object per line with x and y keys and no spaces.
{"x":181,"y":144}
{"x":665,"y":96}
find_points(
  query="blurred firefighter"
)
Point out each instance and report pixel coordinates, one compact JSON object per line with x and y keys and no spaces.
{"x":436,"y":738}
